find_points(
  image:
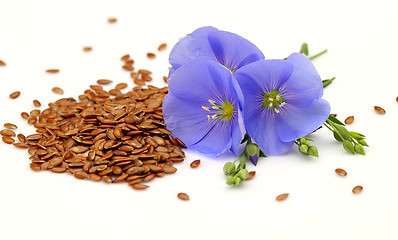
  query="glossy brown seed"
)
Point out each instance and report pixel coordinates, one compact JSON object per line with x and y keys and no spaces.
{"x":121,"y":86}
{"x":165,"y":79}
{"x":34,"y":113}
{"x":10,"y":126}
{"x":112,"y":20}
{"x":81,"y":175}
{"x":2,"y":63}
{"x":7,"y":133}
{"x":162,"y":47}
{"x":57,"y":90}
{"x":106,"y":179}
{"x":120,"y":178}
{"x":8,"y":140}
{"x":32,"y":120}
{"x":195,"y":164}
{"x":349,"y":120}
{"x":36,"y":103}
{"x":396,"y":99}
{"x":333,"y":115}
{"x":125,"y":57}
{"x":58,"y":169}
{"x":21,"y":137}
{"x":144,"y":72}
{"x":139,"y":82}
{"x":139,"y":186}
{"x":183,"y":196}
{"x":24,"y":115}
{"x":251,"y":175}
{"x":282,"y":196}
{"x":181,"y":143}
{"x":341,"y":172}
{"x":357,"y":189}
{"x":149,"y":177}
{"x":15,"y":94}
{"x":94,"y":177}
{"x":35,"y":167}
{"x":379,"y":110}
{"x":151,"y":55}
{"x":87,"y":48}
{"x":104,"y":81}
{"x":52,"y":70}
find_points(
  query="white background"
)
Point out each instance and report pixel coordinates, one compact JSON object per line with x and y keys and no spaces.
{"x":361,"y":37}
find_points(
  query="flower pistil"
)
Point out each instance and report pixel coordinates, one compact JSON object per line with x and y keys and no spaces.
{"x":273,"y":100}
{"x":220,"y":111}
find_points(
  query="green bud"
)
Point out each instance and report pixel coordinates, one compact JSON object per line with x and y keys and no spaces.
{"x":243,"y":174}
{"x":313,"y":151}
{"x":356,"y":136}
{"x":348,"y":146}
{"x":359,"y":149}
{"x":304,"y":49}
{"x":337,"y":137}
{"x":343,"y":131}
{"x":363,"y":143}
{"x":238,"y":181}
{"x":303,"y":140}
{"x":229,"y":168}
{"x":252,"y":149}
{"x":230,"y":180}
{"x":303,"y":149}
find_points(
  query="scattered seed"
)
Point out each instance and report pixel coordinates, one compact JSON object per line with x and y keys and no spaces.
{"x":24,"y":115}
{"x":349,"y":120}
{"x":139,"y":82}
{"x":7,"y":133}
{"x":112,"y":20}
{"x":144,"y":72}
{"x":341,"y":172}
{"x":21,"y":145}
{"x":87,"y":49}
{"x":165,"y":79}
{"x":282,"y":196}
{"x":8,"y":140}
{"x":251,"y":175}
{"x":21,"y":138}
{"x":357,"y":189}
{"x":58,"y":90}
{"x":81,"y":175}
{"x":150,"y":55}
{"x":32,"y":120}
{"x":162,"y":47}
{"x":396,"y":99}
{"x":183,"y":196}
{"x":10,"y":126}
{"x":36,"y":103}
{"x":2,"y":63}
{"x":121,"y":86}
{"x":379,"y":110}
{"x":35,"y":167}
{"x":139,"y":186}
{"x":52,"y":70}
{"x":125,"y":57}
{"x":15,"y":94}
{"x":195,"y":164}
{"x":35,"y":113}
{"x":104,"y":81}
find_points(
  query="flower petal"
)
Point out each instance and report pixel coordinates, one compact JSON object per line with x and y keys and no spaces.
{"x":305,"y":84}
{"x":192,"y":46}
{"x":268,"y":74}
{"x":236,"y":136}
{"x":232,"y":50}
{"x":296,"y":122}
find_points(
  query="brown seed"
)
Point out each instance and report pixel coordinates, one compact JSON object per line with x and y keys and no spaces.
{"x":52,"y":70}
{"x":149,"y":177}
{"x":181,"y":143}
{"x":139,"y":186}
{"x":121,"y":86}
{"x":144,"y":72}
{"x":104,"y":81}
{"x":58,"y":169}
{"x":162,"y":47}
{"x":10,"y":126}
{"x":282,"y":196}
{"x":35,"y":167}
{"x":251,"y":175}
{"x":112,"y":20}
{"x":35,"y":113}
{"x":81,"y":175}
{"x":21,"y":137}
{"x":349,"y":120}
{"x":357,"y":189}
{"x":120,"y":178}
{"x":58,"y":90}
{"x":165,"y":79}
{"x":8,"y":140}
{"x":183,"y":196}
{"x":341,"y":172}
{"x":15,"y":94}
{"x":151,"y":55}
{"x":396,"y":99}
{"x":24,"y":115}
{"x":125,"y":57}
{"x":87,"y":48}
{"x":106,"y":179}
{"x":94,"y":177}
{"x":2,"y":63}
{"x":379,"y":110}
{"x":32,"y":120}
{"x":36,"y":103}
{"x":7,"y":133}
{"x":195,"y":164}
{"x":139,"y":82}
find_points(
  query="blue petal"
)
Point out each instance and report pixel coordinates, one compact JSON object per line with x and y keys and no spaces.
{"x":296,"y":122}
{"x":254,"y":159}
{"x":232,"y":50}
{"x":305,"y":84}
{"x":236,"y":136}
{"x":192,"y":46}
{"x":186,"y":120}
{"x":269,"y":75}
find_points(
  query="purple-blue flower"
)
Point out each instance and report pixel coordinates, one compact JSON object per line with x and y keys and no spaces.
{"x":202,"y":107}
{"x":282,"y":101}
{"x":228,"y":49}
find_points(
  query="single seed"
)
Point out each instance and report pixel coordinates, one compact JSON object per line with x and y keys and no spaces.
{"x":58,"y":169}
{"x":183,"y":196}
{"x":106,"y":179}
{"x":80,"y":175}
{"x":35,"y":167}
{"x":181,"y":143}
{"x":32,"y":120}
{"x":195,"y":163}
{"x":333,"y":115}
{"x":8,"y":140}
{"x":52,"y":70}
{"x":36,"y":103}
{"x":15,"y":94}
{"x":112,"y":20}
{"x":139,"y":186}
{"x":144,"y":72}
{"x":104,"y":81}
{"x":151,"y":55}
{"x":58,"y":90}
{"x":379,"y":110}
{"x":35,"y":113}
{"x":24,"y":115}
{"x":341,"y":172}
{"x":94,"y":177}
{"x":165,"y":79}
{"x":349,"y":120}
{"x":2,"y":63}
{"x":139,"y":82}
{"x":21,"y":145}
{"x":281,"y":197}
{"x":121,"y":86}
{"x":10,"y":126}
{"x":7,"y":133}
{"x":396,"y":99}
{"x":162,"y":47}
{"x":21,"y":137}
{"x":357,"y":189}
{"x":87,"y":48}
{"x":251,"y":175}
{"x":125,"y":57}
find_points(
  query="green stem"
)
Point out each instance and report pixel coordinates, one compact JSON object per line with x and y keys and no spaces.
{"x":318,"y":54}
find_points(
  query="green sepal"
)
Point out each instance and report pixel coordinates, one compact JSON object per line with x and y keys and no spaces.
{"x":229,"y":168}
{"x":363,"y":143}
{"x":327,"y":82}
{"x":313,"y":151}
{"x":335,"y":120}
{"x":348,"y":146}
{"x":262,"y":154}
{"x":359,"y":149}
{"x":303,"y":149}
{"x":337,"y":137}
{"x":343,"y":131}
{"x":304,"y":49}
{"x":245,"y":138}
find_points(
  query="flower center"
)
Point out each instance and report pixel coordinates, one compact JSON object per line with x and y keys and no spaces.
{"x":273,"y":100}
{"x":220,"y":111}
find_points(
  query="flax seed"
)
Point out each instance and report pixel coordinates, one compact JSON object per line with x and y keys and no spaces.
{"x":2,"y":63}
{"x":357,"y":189}
{"x":183,"y":196}
{"x":349,"y":120}
{"x":341,"y":172}
{"x":139,"y":186}
{"x":10,"y":126}
{"x":15,"y":94}
{"x":162,"y":47}
{"x":165,"y":79}
{"x":36,"y":103}
{"x":87,"y":49}
{"x":112,"y":20}
{"x":151,"y":55}
{"x":8,"y":140}
{"x":52,"y":70}
{"x":282,"y":196}
{"x":379,"y":110}
{"x":121,"y":86}
{"x":195,"y":164}
{"x":25,"y":115}
{"x":58,"y":90}
{"x":251,"y":175}
{"x":104,"y":81}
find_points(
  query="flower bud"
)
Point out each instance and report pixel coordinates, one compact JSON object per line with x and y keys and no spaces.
{"x":230,"y":180}
{"x":359,"y":149}
{"x":348,"y":146}
{"x":303,"y":149}
{"x":313,"y":151}
{"x":238,"y":181}
{"x":356,"y":136}
{"x":229,"y":167}
{"x":252,"y":149}
{"x":343,"y":131}
{"x":363,"y":143}
{"x":243,"y":174}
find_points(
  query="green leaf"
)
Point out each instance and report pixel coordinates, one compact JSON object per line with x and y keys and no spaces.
{"x":335,"y":120}
{"x":359,"y":149}
{"x":327,"y":82}
{"x":304,"y":49}
{"x":343,"y":131}
{"x":313,"y":151}
{"x":262,"y":154}
{"x":348,"y":146}
{"x":337,"y":137}
{"x":245,"y":138}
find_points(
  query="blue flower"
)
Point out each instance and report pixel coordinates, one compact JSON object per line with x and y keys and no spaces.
{"x":282,"y":101}
{"x":228,"y":49}
{"x":202,"y":107}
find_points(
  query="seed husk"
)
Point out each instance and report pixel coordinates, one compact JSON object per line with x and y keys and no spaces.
{"x":104,"y":81}
{"x":15,"y":94}
{"x":57,"y":90}
{"x":195,"y":163}
{"x":341,"y":172}
{"x":357,"y":189}
{"x":349,"y":120}
{"x":379,"y":110}
{"x":282,"y":196}
{"x":162,"y":47}
{"x":183,"y":196}
{"x":251,"y":175}
{"x":36,"y":103}
{"x":52,"y":70}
